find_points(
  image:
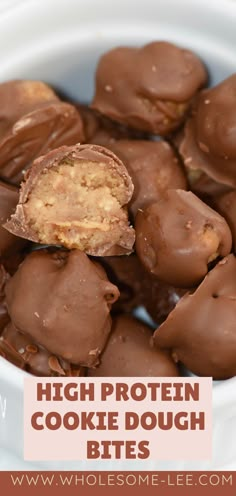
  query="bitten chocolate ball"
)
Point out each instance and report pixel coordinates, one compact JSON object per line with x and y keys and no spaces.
{"x":62,"y":301}
{"x":148,"y":88}
{"x":130,"y":353}
{"x":32,"y":357}
{"x":153,"y":167}
{"x":178,"y":236}
{"x":35,"y":134}
{"x":76,"y":197}
{"x":209,"y":141}
{"x":4,"y":318}
{"x":201,"y":332}
{"x":9,"y":244}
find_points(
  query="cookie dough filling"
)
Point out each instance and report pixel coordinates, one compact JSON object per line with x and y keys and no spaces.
{"x":78,"y":202}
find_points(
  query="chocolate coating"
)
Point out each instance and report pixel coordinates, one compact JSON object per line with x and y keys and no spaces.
{"x":159,"y":299}
{"x":153,"y":167}
{"x":178,"y":236}
{"x":76,"y":197}
{"x":139,"y":288}
{"x":204,"y":186}
{"x":226,"y":206}
{"x":35,"y":134}
{"x":9,"y":197}
{"x":148,"y":88}
{"x":4,"y":277}
{"x":32,"y":357}
{"x":62,"y":301}
{"x":20,"y":97}
{"x":200,"y":332}
{"x":209,"y":141}
{"x":127,"y":273}
{"x":130,"y":353}
{"x":12,"y":262}
{"x":99,"y":130}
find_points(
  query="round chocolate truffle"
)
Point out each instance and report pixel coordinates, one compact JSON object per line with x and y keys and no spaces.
{"x":130,"y":353}
{"x":209,"y":141}
{"x":148,"y":88}
{"x":153,"y":167}
{"x":32,"y":357}
{"x":76,"y":197}
{"x":62,"y":300}
{"x":178,"y":236}
{"x":20,"y":97}
{"x":36,"y":133}
{"x":200,"y":331}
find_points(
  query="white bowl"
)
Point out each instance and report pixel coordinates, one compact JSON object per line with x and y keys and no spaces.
{"x":60,"y":41}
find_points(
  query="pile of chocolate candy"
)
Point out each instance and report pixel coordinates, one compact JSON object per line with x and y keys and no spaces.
{"x":129,"y":202}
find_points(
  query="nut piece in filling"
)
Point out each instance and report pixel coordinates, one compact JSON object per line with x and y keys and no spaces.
{"x":153,"y":167}
{"x":200,"y":331}
{"x":62,"y":301}
{"x":32,"y":357}
{"x":76,"y":197}
{"x":130,"y":353}
{"x":209,"y":139}
{"x":148,"y":88}
{"x":178,"y":236}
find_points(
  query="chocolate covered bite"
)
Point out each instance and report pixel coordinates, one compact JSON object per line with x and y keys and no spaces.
{"x":9,"y":244}
{"x":20,"y":97}
{"x":130,"y":353}
{"x":153,"y":167}
{"x":209,"y":141}
{"x":200,"y":332}
{"x":148,"y":88}
{"x":178,"y":236}
{"x":23,"y":352}
{"x":36,"y":133}
{"x":62,"y":301}
{"x":76,"y":197}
